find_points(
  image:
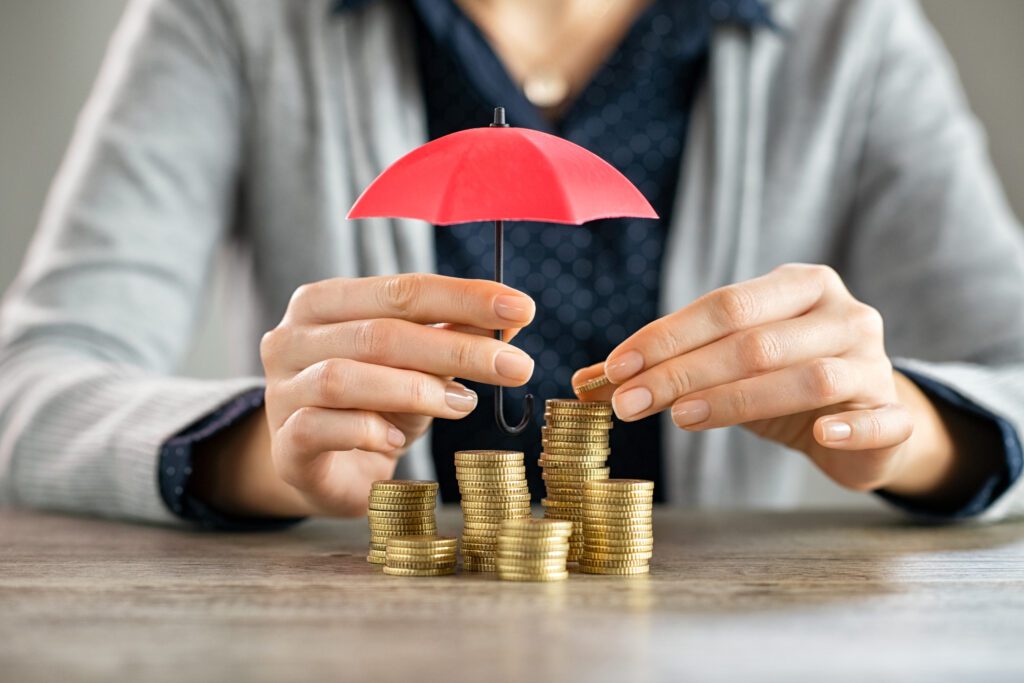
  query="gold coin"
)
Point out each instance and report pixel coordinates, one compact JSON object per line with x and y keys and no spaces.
{"x":517,"y":554}
{"x":487,"y":456}
{"x":577,"y":404}
{"x":422,"y":541}
{"x":611,"y":513}
{"x":602,"y":545}
{"x":613,"y":563}
{"x":592,"y":385}
{"x":527,"y":577}
{"x":535,"y":525}
{"x":576,"y":451}
{"x":557,"y":433}
{"x":527,"y":566}
{"x":419,"y":564}
{"x":496,"y":507}
{"x":531,"y":545}
{"x":574,"y":474}
{"x":576,"y":424}
{"x":403,"y":507}
{"x":595,"y":556}
{"x":623,"y":485}
{"x":399,"y":571}
{"x":427,"y":513}
{"x":374,"y":560}
{"x":614,"y":571}
{"x":404,"y":485}
{"x":633,"y":499}
{"x":639,"y":539}
{"x":516,"y":469}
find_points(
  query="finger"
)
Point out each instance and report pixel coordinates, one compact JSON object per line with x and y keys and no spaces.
{"x":416,"y":297}
{"x":310,"y":433}
{"x":509,"y":333}
{"x":401,"y":344}
{"x":345,"y":384}
{"x":808,"y":386}
{"x":786,"y":292}
{"x":819,"y":334}
{"x":858,"y":430}
{"x":586,"y":374}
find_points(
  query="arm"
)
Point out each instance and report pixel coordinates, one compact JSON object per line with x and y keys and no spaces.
{"x":107,"y":299}
{"x":797,"y":357}
{"x":934,"y":246}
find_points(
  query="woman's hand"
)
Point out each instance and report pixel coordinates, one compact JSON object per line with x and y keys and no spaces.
{"x":355,"y":372}
{"x":795,"y":358}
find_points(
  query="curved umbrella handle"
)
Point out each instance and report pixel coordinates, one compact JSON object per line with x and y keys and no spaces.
{"x":499,"y":396}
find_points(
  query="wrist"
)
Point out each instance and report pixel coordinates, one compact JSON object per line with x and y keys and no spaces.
{"x":935,"y":467}
{"x":234,"y":473}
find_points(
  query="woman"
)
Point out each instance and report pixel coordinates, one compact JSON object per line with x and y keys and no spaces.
{"x":766,"y":135}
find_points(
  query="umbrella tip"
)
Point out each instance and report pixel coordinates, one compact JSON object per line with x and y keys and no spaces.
{"x":499,"y":118}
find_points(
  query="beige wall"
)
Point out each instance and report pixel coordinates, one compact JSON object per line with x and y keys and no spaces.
{"x":50,"y":49}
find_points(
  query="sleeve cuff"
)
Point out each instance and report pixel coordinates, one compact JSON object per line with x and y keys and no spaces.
{"x":176,"y":469}
{"x":999,"y":480}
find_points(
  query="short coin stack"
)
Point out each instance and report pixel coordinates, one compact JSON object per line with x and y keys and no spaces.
{"x":618,"y":530}
{"x":424,"y":555}
{"x":399,"y":508}
{"x":533,"y":549}
{"x":493,"y":488}
{"x":575,"y":450}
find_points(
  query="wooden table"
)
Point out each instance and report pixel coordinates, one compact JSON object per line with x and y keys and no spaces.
{"x":831,"y":596}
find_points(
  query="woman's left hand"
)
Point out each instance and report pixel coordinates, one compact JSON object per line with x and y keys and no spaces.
{"x":793,"y":357}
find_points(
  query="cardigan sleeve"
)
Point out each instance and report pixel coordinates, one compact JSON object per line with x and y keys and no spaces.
{"x":933,"y":244}
{"x":95,"y":326}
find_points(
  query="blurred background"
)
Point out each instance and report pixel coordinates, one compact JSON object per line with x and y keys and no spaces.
{"x":50,"y":51}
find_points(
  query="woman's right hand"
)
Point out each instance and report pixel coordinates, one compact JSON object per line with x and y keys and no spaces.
{"x":356,"y":371}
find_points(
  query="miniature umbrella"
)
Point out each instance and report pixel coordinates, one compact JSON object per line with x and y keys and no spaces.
{"x":501,"y":173}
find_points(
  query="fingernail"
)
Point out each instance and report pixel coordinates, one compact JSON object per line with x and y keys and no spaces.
{"x":629,"y":403}
{"x":624,"y":366}
{"x":690,"y":412}
{"x":513,"y":365}
{"x":515,"y":308}
{"x":836,"y":430}
{"x":395,"y":437}
{"x":459,"y":397}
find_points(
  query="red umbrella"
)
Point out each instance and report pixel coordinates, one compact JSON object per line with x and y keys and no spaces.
{"x":496,"y":174}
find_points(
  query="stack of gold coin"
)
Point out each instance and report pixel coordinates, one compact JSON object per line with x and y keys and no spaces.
{"x":618,"y":531}
{"x":533,"y":549}
{"x":399,"y":508}
{"x":423,"y":555}
{"x":575,"y":450}
{"x":493,"y":488}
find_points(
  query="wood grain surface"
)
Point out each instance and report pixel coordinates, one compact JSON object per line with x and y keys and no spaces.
{"x":827,"y":596}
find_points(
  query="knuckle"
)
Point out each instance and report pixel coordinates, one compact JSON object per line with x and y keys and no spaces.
{"x":737,"y":306}
{"x":397,"y":294}
{"x":301,"y":430}
{"x":302,"y":299}
{"x":739,"y":404}
{"x":867,"y":321}
{"x":371,"y":340}
{"x":760,"y":351}
{"x":825,"y":380}
{"x":273,"y":343}
{"x":827,"y":275}
{"x":679,"y":379}
{"x":332,"y":379}
{"x":421,"y":391}
{"x":461,"y":354}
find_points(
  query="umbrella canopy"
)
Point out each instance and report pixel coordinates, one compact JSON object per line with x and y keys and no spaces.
{"x":501,"y":173}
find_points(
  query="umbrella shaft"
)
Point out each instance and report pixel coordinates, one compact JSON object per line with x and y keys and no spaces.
{"x":499,"y":260}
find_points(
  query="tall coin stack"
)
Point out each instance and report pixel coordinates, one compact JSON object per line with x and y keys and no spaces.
{"x":493,"y":488}
{"x":533,"y":549}
{"x":618,"y":530}
{"x":399,"y":508}
{"x":426,"y":555}
{"x":575,"y":450}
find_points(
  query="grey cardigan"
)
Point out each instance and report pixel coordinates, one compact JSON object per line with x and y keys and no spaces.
{"x":843,"y":139}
